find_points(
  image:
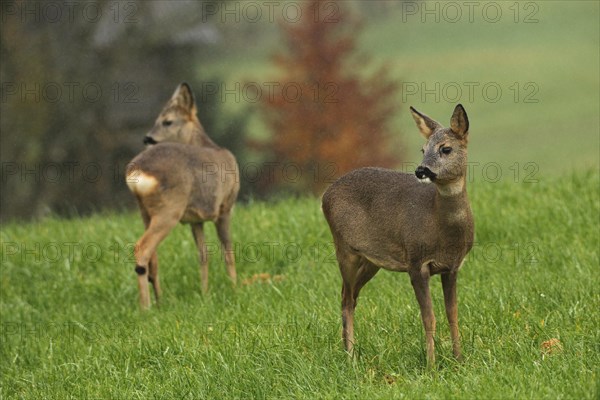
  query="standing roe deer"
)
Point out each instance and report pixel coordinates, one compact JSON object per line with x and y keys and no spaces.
{"x":183,"y":176}
{"x":381,"y":218}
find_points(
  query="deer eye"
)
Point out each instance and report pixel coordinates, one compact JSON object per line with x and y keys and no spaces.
{"x":167,"y":122}
{"x":446,"y":150}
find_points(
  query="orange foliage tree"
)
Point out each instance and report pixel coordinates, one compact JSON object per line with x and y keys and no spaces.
{"x":325,"y":115}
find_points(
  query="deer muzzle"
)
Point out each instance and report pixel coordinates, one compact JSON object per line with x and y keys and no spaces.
{"x":424,"y":173}
{"x":149,"y":140}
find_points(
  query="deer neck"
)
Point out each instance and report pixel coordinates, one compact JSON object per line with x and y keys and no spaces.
{"x":200,"y":138}
{"x":452,"y":203}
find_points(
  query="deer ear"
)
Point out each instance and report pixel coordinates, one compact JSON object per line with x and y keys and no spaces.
{"x":184,"y":97}
{"x":459,"y":123}
{"x":425,"y":124}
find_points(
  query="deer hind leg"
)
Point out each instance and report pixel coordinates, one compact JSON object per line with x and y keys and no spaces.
{"x":223,"y":233}
{"x":153,"y":263}
{"x":349,"y":264}
{"x":356,"y":272}
{"x":153,"y":277}
{"x":159,"y":227}
{"x":198,"y":232}
{"x":451,"y":303}
{"x":365,"y":272}
{"x":420,"y":283}
{"x":347,"y":318}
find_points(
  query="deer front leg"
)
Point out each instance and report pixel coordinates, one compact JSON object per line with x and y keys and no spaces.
{"x":420,"y":283}
{"x":451,"y":303}
{"x":198,"y":232}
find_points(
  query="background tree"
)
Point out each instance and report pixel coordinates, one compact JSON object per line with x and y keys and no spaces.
{"x":325,"y":115}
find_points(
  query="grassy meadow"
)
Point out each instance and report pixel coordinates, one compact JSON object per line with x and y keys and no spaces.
{"x":528,"y":304}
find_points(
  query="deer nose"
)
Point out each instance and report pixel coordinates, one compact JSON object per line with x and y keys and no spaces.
{"x":424,"y":172}
{"x":149,"y":140}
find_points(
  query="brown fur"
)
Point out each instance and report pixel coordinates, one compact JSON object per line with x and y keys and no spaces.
{"x":381,"y":218}
{"x":183,"y":177}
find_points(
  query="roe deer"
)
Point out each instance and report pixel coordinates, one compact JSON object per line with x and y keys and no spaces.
{"x":381,"y":218}
{"x":183,"y":176}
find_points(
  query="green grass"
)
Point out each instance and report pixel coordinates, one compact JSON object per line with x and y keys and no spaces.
{"x":71,"y":327}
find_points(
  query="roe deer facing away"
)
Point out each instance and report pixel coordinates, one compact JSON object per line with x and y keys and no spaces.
{"x":183,"y":176}
{"x":381,"y":218}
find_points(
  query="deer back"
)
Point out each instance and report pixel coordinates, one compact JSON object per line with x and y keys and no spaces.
{"x":203,"y":180}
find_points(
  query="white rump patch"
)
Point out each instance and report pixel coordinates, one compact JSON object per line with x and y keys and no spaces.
{"x":141,"y":183}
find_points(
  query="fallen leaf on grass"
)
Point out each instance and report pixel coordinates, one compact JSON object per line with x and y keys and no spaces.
{"x":551,"y":346}
{"x":262,"y":278}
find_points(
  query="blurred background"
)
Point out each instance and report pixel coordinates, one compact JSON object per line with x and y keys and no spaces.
{"x":300,"y":91}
